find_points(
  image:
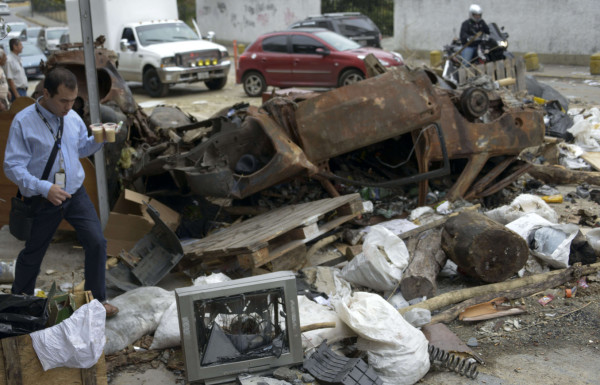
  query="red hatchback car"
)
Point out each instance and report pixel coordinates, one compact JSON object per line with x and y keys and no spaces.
{"x":311,"y":57}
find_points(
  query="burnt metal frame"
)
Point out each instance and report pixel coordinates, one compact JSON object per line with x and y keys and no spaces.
{"x":442,"y":171}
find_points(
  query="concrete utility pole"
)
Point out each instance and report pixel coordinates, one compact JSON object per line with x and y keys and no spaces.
{"x":94,"y":101}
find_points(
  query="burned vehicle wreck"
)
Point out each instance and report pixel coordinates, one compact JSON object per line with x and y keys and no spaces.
{"x":380,"y":122}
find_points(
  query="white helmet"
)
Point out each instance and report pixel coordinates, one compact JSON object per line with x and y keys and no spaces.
{"x":475,"y":9}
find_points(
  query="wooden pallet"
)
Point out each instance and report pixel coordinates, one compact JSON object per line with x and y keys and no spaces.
{"x":498,"y":70}
{"x":267,"y":236}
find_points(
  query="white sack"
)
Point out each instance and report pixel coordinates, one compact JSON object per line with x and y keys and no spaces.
{"x":521,"y":205}
{"x":551,"y":242}
{"x":167,"y":333}
{"x":76,"y":342}
{"x":381,"y":263}
{"x":311,"y":313}
{"x":396,"y":350}
{"x":140,"y":311}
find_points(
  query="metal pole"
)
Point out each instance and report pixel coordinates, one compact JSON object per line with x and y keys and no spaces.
{"x":94,"y":100}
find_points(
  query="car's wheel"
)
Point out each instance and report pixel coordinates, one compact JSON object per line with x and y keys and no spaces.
{"x":216,"y":84}
{"x":153,"y":86}
{"x":254,"y":83}
{"x":350,"y":77}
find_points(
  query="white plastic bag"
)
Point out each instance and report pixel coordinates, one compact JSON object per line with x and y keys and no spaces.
{"x":521,"y":205}
{"x":396,"y":350}
{"x":381,"y":263}
{"x":311,"y":313}
{"x":552,"y":244}
{"x":167,"y":333}
{"x":140,"y":311}
{"x":76,"y":342}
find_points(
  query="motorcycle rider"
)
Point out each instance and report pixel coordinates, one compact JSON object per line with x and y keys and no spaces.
{"x":470,"y":28}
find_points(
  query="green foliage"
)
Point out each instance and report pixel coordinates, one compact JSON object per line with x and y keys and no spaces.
{"x":48,"y":5}
{"x":380,"y":11}
{"x":187,"y":11}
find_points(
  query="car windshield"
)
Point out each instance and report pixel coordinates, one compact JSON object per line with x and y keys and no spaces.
{"x":337,"y":41}
{"x":33,"y":32}
{"x":55,"y":34}
{"x":17,"y":27}
{"x":31,"y":50}
{"x":165,"y":33}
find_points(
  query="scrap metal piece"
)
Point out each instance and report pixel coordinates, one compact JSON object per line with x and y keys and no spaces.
{"x":332,"y":369}
{"x":261,"y":142}
{"x":368,"y":112}
{"x":464,"y":366}
{"x":443,"y":338}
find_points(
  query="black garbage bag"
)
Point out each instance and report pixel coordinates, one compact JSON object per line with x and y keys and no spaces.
{"x":22,"y":314}
{"x":558,"y":121}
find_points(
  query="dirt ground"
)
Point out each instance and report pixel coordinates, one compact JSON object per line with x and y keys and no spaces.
{"x":554,"y":344}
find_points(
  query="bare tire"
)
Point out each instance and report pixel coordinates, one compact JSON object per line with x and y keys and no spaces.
{"x":254,"y":84}
{"x":153,"y":86}
{"x":351,"y":77}
{"x":216,"y":84}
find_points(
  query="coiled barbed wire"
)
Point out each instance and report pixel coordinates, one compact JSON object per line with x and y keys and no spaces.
{"x":464,"y":366}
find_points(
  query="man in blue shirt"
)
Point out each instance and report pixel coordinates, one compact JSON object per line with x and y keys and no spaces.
{"x":32,"y":135}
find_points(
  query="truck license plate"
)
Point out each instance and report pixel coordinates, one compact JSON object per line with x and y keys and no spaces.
{"x":202,"y":75}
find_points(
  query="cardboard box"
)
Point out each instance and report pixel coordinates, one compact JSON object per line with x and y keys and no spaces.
{"x":129,"y":221}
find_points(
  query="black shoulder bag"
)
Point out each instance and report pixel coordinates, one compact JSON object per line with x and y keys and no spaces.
{"x":23,"y":211}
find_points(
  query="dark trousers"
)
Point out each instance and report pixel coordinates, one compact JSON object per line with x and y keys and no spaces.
{"x":80,"y":213}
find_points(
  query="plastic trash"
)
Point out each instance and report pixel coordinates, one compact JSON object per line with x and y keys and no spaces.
{"x":77,"y":342}
{"x":7,"y":271}
{"x":593,"y":238}
{"x":520,"y":206}
{"x":418,"y":317}
{"x":395,"y":349}
{"x":381,"y":263}
{"x":22,"y":314}
{"x":552,"y":244}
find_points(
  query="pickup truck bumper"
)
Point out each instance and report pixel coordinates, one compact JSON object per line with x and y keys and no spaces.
{"x":169,"y":75}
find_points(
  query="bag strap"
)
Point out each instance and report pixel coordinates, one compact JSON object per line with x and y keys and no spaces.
{"x":50,"y":159}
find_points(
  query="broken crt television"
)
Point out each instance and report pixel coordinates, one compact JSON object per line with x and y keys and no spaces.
{"x":248,"y":325}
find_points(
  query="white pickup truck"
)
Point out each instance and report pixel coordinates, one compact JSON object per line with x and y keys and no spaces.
{"x":152,"y":45}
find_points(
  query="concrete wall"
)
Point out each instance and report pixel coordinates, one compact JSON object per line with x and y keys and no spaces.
{"x":560,"y":31}
{"x":245,"y":20}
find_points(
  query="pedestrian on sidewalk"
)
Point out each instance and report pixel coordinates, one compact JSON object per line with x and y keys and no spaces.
{"x":4,"y":92}
{"x":15,"y":73}
{"x":33,"y":134}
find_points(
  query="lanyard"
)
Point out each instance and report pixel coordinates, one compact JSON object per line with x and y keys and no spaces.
{"x":57,"y":137}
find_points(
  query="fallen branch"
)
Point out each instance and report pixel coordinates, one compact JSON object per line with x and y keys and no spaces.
{"x":560,"y":175}
{"x":319,"y":325}
{"x":453,"y":297}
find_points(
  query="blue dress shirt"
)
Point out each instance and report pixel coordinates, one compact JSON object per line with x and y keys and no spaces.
{"x":29,"y":146}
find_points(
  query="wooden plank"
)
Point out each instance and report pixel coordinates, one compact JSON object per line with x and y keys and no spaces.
{"x":509,"y":66}
{"x":500,"y":70}
{"x":12,"y":365}
{"x":593,"y":158}
{"x":520,"y":73}
{"x":490,"y":70}
{"x":255,"y":233}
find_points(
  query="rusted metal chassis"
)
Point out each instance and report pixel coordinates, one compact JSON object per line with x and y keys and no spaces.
{"x":353,"y":117}
{"x":507,"y":135}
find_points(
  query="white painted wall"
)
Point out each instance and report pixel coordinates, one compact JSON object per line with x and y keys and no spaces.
{"x":245,"y":20}
{"x":557,"y":27}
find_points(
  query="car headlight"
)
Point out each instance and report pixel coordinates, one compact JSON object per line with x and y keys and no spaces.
{"x":167,"y":62}
{"x":361,"y":57}
{"x":385,"y":63}
{"x":398,"y":57}
{"x":224,"y":54}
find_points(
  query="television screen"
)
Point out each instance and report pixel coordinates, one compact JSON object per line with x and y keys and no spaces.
{"x":250,"y":325}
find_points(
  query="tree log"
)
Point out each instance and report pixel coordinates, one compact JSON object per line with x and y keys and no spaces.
{"x":560,"y":175}
{"x":453,"y":297}
{"x":482,"y":248}
{"x":428,"y":259}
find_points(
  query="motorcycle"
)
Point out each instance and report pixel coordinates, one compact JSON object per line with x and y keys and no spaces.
{"x":490,"y":48}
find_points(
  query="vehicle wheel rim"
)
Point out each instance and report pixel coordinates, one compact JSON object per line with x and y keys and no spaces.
{"x":253,"y":84}
{"x":351,"y":79}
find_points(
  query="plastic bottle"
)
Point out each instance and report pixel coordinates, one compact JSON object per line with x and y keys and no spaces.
{"x":7,"y":271}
